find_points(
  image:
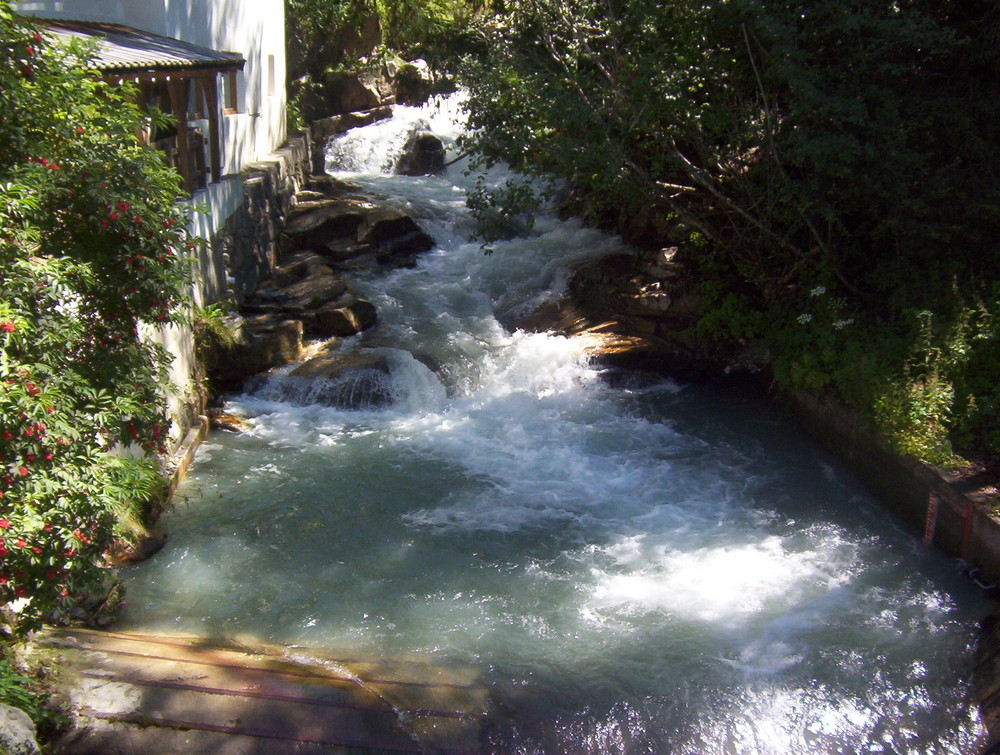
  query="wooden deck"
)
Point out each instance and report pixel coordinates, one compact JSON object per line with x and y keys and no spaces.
{"x":137,"y":693}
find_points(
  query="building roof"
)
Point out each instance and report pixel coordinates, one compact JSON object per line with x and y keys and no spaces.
{"x":122,"y":49}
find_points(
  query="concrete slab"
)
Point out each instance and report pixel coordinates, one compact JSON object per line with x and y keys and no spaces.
{"x":181,"y":694}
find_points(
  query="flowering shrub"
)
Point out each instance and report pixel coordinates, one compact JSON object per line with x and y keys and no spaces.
{"x":90,"y":235}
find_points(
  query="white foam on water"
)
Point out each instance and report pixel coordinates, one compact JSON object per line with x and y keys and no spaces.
{"x":649,"y":578}
{"x":715,"y":583}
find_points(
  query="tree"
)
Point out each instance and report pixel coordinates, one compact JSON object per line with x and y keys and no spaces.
{"x":91,"y":240}
{"x":846,"y":148}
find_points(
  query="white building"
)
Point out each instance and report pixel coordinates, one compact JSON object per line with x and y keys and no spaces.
{"x":219,"y":67}
{"x":234,"y":100}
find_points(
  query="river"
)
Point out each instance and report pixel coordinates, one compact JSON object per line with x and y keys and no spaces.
{"x":636,"y":565}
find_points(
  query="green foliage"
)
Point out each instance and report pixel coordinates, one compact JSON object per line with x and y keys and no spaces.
{"x":214,"y":335}
{"x":18,"y":691}
{"x":813,"y":145}
{"x":90,"y":239}
{"x":323,"y":33}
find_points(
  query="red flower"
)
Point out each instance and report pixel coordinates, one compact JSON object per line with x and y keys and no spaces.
{"x":36,"y":550}
{"x":113,"y":215}
{"x":37,"y":37}
{"x":23,"y":471}
{"x":7,"y":327}
{"x":53,"y":166}
{"x":123,"y":206}
{"x":4,"y":524}
{"x":31,"y":51}
{"x":80,"y":130}
{"x":21,"y":543}
{"x":21,"y":592}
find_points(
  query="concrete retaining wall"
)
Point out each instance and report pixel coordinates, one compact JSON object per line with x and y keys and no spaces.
{"x":964,"y":524}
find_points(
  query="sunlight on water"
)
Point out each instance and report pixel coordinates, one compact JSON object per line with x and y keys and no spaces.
{"x":656,"y":568}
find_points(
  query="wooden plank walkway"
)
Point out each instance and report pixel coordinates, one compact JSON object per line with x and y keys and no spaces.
{"x":138,"y":693}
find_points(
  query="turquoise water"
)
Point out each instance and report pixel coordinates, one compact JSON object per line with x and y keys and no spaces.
{"x":635,"y":565}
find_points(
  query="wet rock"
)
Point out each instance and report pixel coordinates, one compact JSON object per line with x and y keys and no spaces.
{"x":423,"y":155}
{"x":266,"y":341}
{"x":651,"y":309}
{"x":332,"y":187}
{"x":395,"y":237}
{"x":345,"y":318}
{"x":298,"y":266}
{"x":314,"y":227}
{"x":356,"y":380}
{"x":145,"y":547}
{"x":228,"y":422}
{"x":17,"y":732}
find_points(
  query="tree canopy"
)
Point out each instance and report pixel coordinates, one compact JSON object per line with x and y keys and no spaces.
{"x":829,"y":169}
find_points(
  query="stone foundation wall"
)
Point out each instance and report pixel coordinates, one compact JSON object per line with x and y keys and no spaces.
{"x":247,"y":243}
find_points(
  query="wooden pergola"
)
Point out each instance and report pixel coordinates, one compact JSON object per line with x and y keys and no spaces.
{"x":188,"y":74}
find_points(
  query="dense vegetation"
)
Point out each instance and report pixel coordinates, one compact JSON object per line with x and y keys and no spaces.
{"x":90,"y":236}
{"x":325,"y":34}
{"x":829,"y":169}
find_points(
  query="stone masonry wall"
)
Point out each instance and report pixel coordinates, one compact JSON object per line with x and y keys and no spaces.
{"x":247,"y":243}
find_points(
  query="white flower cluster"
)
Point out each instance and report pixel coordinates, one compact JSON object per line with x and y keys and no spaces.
{"x":818,"y":291}
{"x":804,"y":318}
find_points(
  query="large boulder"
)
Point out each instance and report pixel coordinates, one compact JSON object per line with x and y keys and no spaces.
{"x":315,"y":225}
{"x":265,"y":341}
{"x":648,"y":307}
{"x":344,"y":317}
{"x":423,"y":155}
{"x":394,"y":237}
{"x":412,"y":83}
{"x":355,"y":380}
{"x":348,"y":92}
{"x":313,"y":295}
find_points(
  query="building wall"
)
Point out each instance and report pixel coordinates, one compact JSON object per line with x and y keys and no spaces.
{"x":256,"y":30}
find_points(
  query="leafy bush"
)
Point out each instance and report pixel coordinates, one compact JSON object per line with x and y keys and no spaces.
{"x":788,"y":148}
{"x":90,"y":241}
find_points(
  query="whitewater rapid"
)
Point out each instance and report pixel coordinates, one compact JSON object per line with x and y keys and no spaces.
{"x":636,"y":565}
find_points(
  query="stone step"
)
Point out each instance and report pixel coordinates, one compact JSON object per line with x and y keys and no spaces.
{"x":202,"y":695}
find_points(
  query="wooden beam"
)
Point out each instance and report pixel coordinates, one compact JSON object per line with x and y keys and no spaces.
{"x":178,"y":89}
{"x":212,"y":105}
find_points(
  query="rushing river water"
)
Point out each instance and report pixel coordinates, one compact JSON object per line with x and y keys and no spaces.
{"x":636,"y":566}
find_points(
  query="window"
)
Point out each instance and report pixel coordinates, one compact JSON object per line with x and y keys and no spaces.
{"x":230,"y":102}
